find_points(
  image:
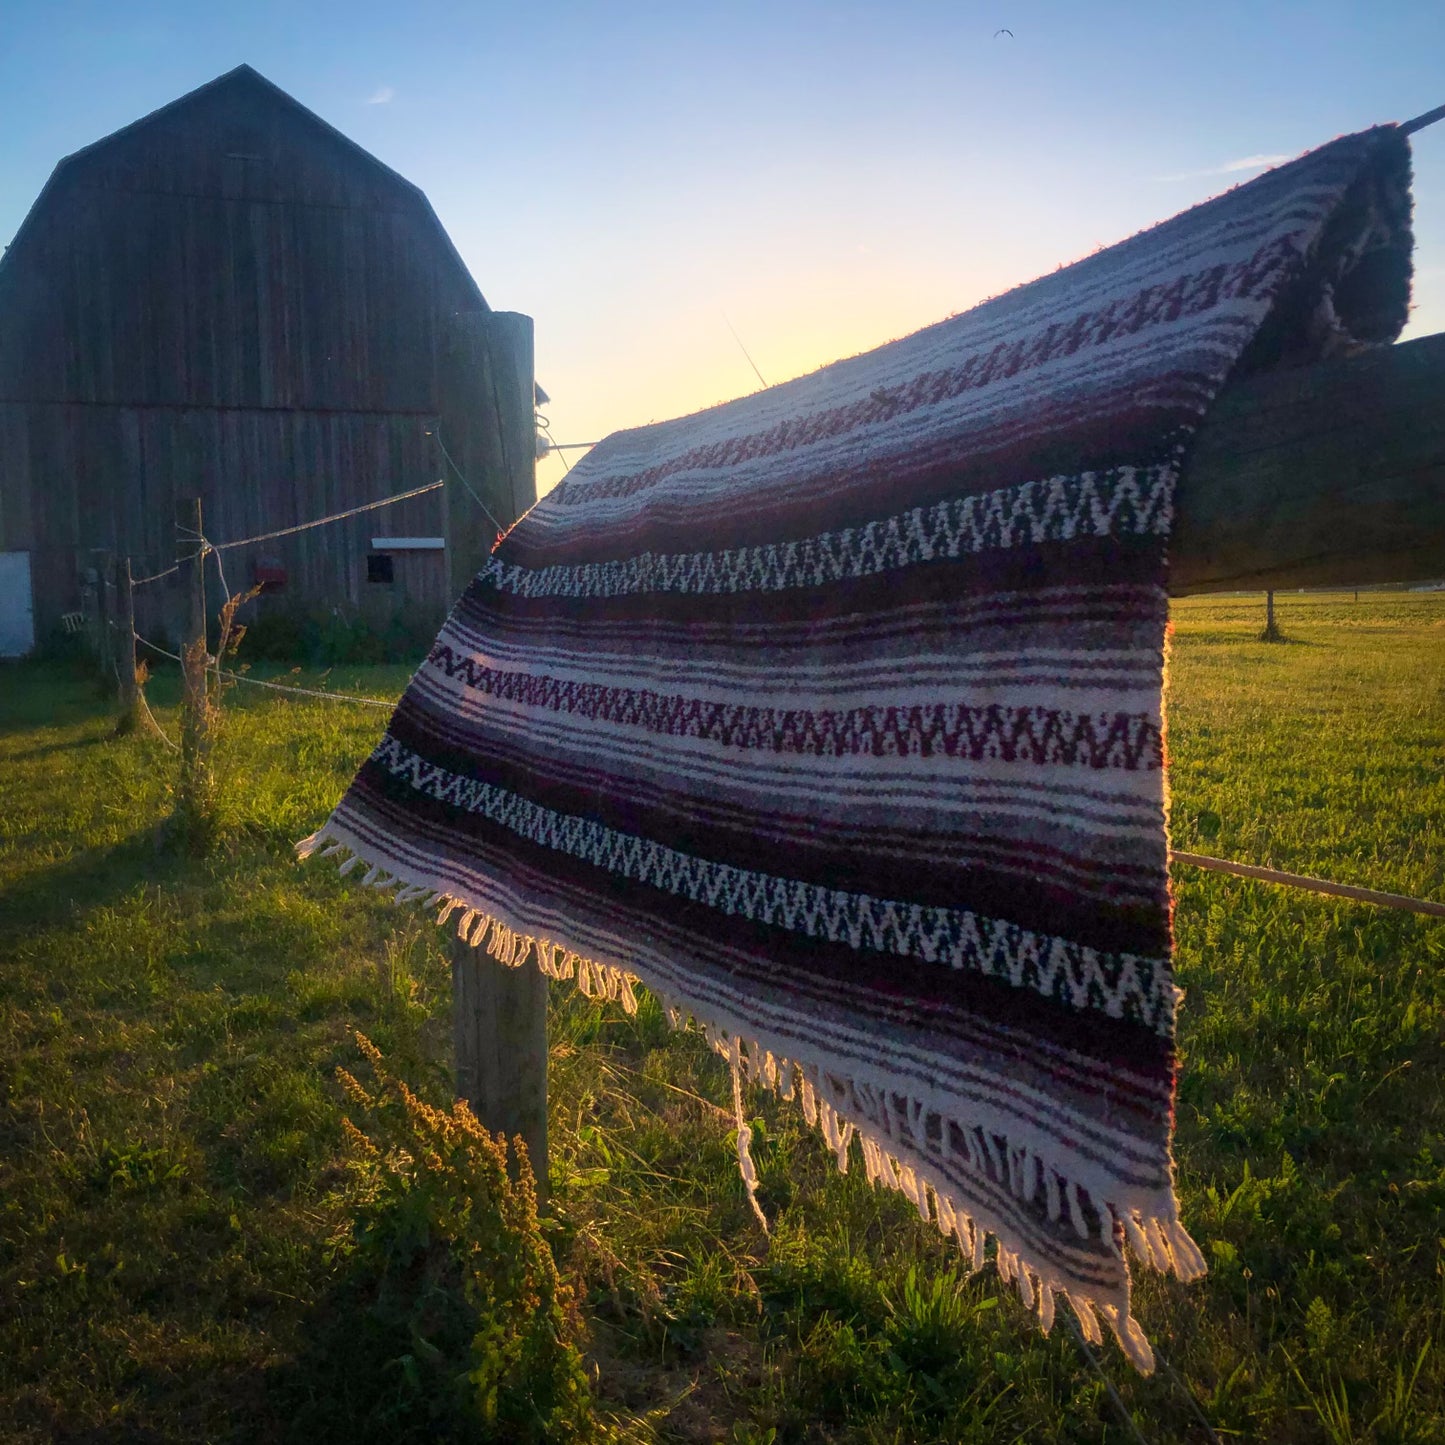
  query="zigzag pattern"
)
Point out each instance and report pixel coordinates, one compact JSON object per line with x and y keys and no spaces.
{"x":1060,"y":1147}
{"x":1153,"y":305}
{"x":1120,"y":985}
{"x":1123,"y":501}
{"x":957,"y":730}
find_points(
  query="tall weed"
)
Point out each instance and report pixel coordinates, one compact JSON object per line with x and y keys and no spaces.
{"x":452,"y":1320}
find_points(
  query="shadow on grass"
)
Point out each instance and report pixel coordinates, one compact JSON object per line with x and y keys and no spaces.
{"x":46,"y":750}
{"x":92,"y":879}
{"x":365,"y":1372}
{"x":191,"y":1401}
{"x":1192,"y":636}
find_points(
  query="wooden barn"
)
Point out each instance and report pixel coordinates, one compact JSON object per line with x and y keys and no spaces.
{"x":230,"y":299}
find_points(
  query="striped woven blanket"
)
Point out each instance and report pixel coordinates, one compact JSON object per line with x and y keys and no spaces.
{"x":834,"y":715}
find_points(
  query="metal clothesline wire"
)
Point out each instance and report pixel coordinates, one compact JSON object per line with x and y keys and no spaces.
{"x":1120,"y":1408}
{"x":545,"y":427}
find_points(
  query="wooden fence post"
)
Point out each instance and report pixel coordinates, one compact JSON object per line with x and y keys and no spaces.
{"x":196,"y":788}
{"x":1271,"y":631}
{"x":499,"y":1030}
{"x":107,"y":606}
{"x":92,"y":602}
{"x":488,"y":425}
{"x":122,"y":642}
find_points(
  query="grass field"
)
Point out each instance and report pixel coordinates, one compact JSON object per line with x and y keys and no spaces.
{"x":172,"y":1177}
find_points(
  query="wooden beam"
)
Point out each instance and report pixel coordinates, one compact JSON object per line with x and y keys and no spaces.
{"x":1324,"y":476}
{"x":487,"y":423}
{"x":122,"y":641}
{"x":487,"y":434}
{"x":499,"y":1033}
{"x":196,"y":787}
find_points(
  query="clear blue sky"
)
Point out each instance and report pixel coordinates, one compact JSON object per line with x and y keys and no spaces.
{"x":822,"y":176}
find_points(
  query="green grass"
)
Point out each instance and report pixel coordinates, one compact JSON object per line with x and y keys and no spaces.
{"x":172,"y":1176}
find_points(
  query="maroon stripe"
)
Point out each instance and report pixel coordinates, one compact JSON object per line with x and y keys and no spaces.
{"x":1018,"y":733}
{"x":942,"y":995}
{"x":1190,"y":294}
{"x":944,"y":869}
{"x":479,"y":739}
{"x":1136,"y":560}
{"x":1057,"y":617}
{"x":1054,"y":438}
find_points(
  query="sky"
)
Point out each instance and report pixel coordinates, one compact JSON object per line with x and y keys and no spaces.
{"x":672,"y":189}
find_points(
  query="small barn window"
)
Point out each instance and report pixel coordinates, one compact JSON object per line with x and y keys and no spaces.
{"x":379,"y":568}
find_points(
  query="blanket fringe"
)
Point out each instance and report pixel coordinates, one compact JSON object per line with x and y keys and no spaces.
{"x":1162,"y":1243}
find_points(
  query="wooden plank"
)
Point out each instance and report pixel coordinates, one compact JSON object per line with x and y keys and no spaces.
{"x":486,"y":434}
{"x":1323,"y":476}
{"x":486,"y":423}
{"x":195,"y":787}
{"x":499,"y":1031}
{"x":123,"y":641}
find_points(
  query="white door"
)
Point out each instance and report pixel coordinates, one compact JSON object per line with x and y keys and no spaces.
{"x":17,"y":612}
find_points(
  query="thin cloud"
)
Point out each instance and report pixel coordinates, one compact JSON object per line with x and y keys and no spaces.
{"x":384,"y":96}
{"x":1229,"y":168}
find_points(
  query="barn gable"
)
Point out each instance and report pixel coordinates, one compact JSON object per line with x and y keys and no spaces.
{"x":233,"y":213}
{"x":229,"y":297}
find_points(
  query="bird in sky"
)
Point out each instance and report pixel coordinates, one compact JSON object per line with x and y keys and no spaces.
{"x":997,"y":33}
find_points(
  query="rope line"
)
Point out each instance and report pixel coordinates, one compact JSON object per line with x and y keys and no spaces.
{"x":311,"y":692}
{"x":1312,"y":885}
{"x":1120,"y":1408}
{"x":155,"y":576}
{"x":276,"y":686}
{"x":491,"y":516}
{"x":208,"y":546}
{"x":161,"y":733}
{"x":334,"y":517}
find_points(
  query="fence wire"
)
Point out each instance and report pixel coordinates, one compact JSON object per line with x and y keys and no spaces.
{"x":209,"y":546}
{"x":277,"y":686}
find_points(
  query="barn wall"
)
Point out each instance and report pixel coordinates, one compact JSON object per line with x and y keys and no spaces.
{"x":227,"y":298}
{"x":116,"y":472}
{"x":194,"y":301}
{"x":232,"y":252}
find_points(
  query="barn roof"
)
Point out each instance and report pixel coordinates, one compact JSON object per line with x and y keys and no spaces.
{"x":243,"y":77}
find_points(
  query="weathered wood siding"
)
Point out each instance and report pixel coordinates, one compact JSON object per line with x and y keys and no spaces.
{"x":114,"y":474}
{"x":227,"y":298}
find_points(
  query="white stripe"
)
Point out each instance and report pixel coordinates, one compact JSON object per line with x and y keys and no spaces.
{"x":1089,"y":373}
{"x":778,"y":673}
{"x":669,"y":753}
{"x":925,"y":683}
{"x":853,"y":1053}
